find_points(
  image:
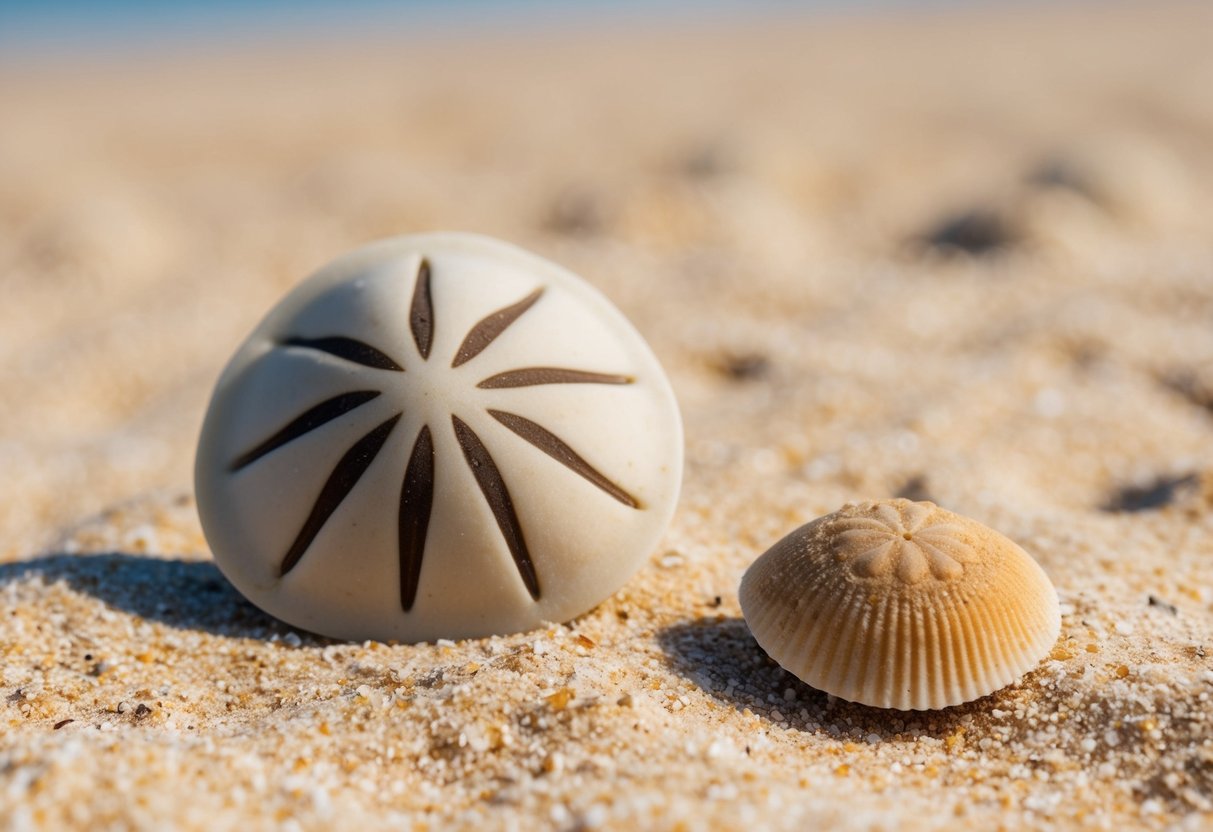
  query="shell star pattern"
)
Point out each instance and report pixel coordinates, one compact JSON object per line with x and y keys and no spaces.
{"x":903,"y":544}
{"x":433,"y":419}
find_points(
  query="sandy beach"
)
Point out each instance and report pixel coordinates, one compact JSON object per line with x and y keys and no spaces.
{"x":964,"y":256}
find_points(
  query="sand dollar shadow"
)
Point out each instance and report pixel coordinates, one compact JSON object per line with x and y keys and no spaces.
{"x":186,"y":594}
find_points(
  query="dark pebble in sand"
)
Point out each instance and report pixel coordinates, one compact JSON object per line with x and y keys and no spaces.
{"x":1155,"y":601}
{"x":1157,"y":494}
{"x":977,"y":232}
{"x":744,"y":366}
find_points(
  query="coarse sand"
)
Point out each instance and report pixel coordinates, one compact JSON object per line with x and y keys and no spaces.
{"x":964,"y":256}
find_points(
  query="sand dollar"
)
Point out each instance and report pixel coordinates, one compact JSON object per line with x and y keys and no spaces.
{"x":901,"y":604}
{"x":438,"y":436}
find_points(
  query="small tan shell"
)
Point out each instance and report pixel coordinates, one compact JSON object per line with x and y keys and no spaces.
{"x":899,"y":604}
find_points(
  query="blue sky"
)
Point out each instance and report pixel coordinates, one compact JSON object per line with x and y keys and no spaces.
{"x":92,"y":25}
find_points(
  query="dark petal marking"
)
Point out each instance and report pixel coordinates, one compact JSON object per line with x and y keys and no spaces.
{"x":557,"y":449}
{"x":531,"y":376}
{"x":483,"y":333}
{"x":321,"y":414}
{"x":416,"y":500}
{"x":351,"y":349}
{"x":421,"y":314}
{"x":340,"y":483}
{"x":498,"y":497}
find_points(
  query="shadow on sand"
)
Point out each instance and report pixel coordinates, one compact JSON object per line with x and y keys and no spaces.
{"x":187,"y":594}
{"x":721,"y":657}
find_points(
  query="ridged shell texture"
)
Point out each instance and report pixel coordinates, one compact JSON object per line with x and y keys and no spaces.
{"x":901,"y":604}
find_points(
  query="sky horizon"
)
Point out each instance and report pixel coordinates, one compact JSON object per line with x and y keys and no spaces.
{"x":29,"y":28}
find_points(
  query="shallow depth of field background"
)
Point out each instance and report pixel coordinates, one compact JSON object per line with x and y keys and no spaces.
{"x":943,"y":251}
{"x":171,"y":169}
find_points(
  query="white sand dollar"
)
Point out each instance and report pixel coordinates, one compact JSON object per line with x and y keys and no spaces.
{"x":901,"y":604}
{"x":438,"y":436}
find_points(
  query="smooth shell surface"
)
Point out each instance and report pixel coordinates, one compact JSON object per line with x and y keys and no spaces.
{"x":439,"y":436}
{"x":901,"y":604}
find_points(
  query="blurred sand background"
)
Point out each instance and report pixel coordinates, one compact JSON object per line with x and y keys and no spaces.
{"x":957,"y":255}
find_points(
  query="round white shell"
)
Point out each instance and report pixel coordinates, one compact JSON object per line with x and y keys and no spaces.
{"x":899,"y":604}
{"x":495,"y":448}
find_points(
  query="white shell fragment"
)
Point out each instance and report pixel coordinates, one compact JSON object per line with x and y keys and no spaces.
{"x":439,"y":436}
{"x":899,"y":604}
